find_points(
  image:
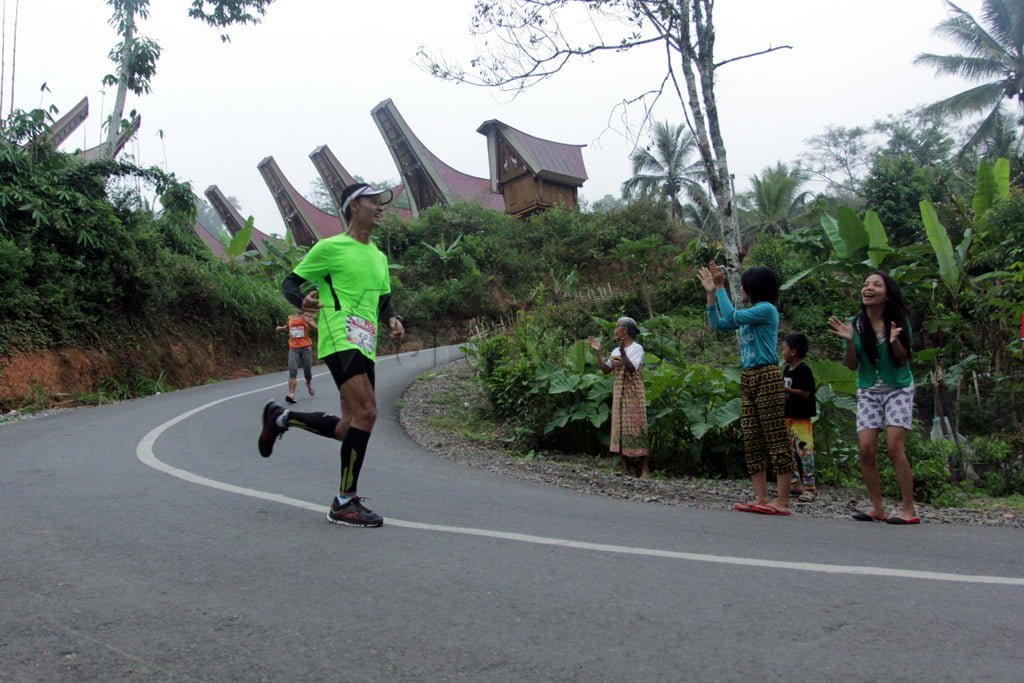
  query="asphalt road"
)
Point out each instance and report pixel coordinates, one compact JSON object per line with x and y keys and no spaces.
{"x":148,"y":541}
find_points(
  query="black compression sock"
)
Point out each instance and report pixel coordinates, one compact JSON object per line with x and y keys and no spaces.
{"x":353,"y":452}
{"x":316,"y":423}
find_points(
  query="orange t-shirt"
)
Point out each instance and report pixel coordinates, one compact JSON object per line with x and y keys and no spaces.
{"x":298,"y":332}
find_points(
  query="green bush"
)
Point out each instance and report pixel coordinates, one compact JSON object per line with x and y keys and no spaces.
{"x":80,"y":248}
{"x":548,"y":382}
{"x":1002,"y":465}
{"x":929,"y":461}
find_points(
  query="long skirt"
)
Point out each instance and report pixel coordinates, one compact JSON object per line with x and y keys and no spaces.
{"x":629,"y":414}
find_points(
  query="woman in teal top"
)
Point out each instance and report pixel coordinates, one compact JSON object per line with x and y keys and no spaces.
{"x":876,"y":343}
{"x":761,"y":387}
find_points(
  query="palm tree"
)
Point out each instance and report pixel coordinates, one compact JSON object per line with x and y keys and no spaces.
{"x":775,"y":199}
{"x":663,"y":168}
{"x":1004,"y":140}
{"x":994,"y":55}
{"x":699,"y":213}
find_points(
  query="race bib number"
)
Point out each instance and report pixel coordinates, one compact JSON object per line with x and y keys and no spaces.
{"x":362,"y":333}
{"x":297,"y":332}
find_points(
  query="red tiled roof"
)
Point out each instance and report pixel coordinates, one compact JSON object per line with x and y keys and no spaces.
{"x":452,"y":183}
{"x":468,"y":188}
{"x":233,"y":221}
{"x":212,"y":242}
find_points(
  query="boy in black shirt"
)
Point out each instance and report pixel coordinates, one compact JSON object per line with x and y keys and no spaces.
{"x":801,"y":407}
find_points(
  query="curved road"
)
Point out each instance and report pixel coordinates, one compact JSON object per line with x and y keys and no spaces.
{"x":148,"y":541}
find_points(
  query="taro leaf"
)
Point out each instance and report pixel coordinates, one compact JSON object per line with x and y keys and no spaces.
{"x":599,"y":416}
{"x":836,"y":375}
{"x":699,"y":429}
{"x":727,"y":413}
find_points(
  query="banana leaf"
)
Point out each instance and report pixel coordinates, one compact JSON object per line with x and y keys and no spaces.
{"x":949,"y":272}
{"x":878,"y":240}
{"x":240,"y":241}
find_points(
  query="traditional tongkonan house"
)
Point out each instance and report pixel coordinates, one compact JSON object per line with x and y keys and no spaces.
{"x":531,"y":173}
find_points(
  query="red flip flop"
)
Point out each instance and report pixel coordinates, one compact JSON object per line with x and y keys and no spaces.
{"x":770,"y":510}
{"x":900,"y":520}
{"x":759,"y":509}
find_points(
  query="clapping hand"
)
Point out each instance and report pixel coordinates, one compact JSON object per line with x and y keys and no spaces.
{"x":711,"y":277}
{"x":841,"y":328}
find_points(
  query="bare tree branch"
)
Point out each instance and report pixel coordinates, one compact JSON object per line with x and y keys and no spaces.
{"x":753,"y":54}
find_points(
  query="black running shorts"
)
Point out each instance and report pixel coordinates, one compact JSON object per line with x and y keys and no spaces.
{"x":344,"y":365}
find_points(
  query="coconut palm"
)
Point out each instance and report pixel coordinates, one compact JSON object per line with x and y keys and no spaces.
{"x":1004,"y":140}
{"x":775,"y":200}
{"x":663,"y":168}
{"x":993,"y":54}
{"x":699,"y":213}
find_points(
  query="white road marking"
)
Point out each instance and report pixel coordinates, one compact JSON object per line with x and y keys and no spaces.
{"x":144,"y":452}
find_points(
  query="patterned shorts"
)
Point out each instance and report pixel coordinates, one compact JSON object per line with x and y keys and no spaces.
{"x":876,"y":409}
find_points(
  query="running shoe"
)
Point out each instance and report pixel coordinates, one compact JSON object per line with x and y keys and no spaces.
{"x":353,"y":513}
{"x":270,"y":432}
{"x":289,"y":398}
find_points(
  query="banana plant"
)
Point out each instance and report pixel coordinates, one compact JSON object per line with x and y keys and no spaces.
{"x":446,"y":253}
{"x":282,"y":256}
{"x":993,"y":183}
{"x":849,"y":235}
{"x":237,"y":246}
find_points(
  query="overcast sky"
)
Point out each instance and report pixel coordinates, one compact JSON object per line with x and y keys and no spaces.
{"x":313,"y":70}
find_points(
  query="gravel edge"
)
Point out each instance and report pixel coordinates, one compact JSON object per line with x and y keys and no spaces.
{"x":430,"y":415}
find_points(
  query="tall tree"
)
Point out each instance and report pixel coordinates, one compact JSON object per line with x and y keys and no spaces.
{"x":922,"y":135}
{"x":529,"y":41}
{"x":993,"y":54}
{"x":663,"y":168}
{"x":840,"y":157}
{"x":135,"y":56}
{"x":775,"y":199}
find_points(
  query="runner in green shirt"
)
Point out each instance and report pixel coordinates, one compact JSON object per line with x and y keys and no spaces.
{"x":352,"y":294}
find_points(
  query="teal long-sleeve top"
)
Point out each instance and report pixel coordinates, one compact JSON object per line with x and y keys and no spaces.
{"x":757,"y":328}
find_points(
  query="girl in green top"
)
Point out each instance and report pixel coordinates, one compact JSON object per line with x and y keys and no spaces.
{"x":876,"y":344}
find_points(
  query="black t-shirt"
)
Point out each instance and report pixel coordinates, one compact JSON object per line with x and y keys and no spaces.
{"x":800,"y":377}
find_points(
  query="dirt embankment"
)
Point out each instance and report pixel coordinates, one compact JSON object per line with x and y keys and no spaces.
{"x":55,"y":376}
{"x":50,"y":377}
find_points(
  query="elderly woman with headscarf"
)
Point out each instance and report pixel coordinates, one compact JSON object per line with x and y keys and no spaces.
{"x":629,"y":400}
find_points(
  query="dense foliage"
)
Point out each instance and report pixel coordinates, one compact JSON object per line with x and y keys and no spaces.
{"x":962,"y":283}
{"x":84,"y":262}
{"x":466,"y":262}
